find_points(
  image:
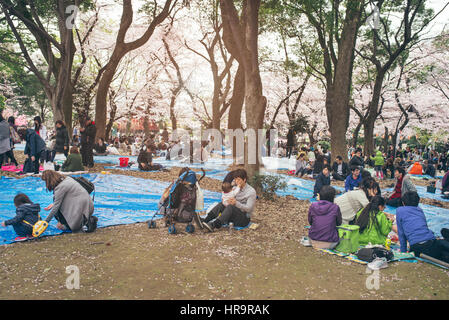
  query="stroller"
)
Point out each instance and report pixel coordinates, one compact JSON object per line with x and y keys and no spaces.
{"x":180,"y":200}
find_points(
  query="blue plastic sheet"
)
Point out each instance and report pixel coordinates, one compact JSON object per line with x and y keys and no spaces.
{"x":212,"y":163}
{"x":118,"y":200}
{"x":422,"y":192}
{"x":437,"y":218}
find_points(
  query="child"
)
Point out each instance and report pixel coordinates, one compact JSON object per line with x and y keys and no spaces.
{"x":379,"y":161}
{"x":73,"y":162}
{"x":375,"y":225}
{"x":228,"y":192}
{"x":27,"y":214}
{"x":412,"y":228}
{"x":324,"y":217}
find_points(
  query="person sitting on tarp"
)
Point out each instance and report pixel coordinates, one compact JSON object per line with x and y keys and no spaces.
{"x":72,"y":206}
{"x":402,"y":186}
{"x":416,"y":168}
{"x":100,"y":148}
{"x":324,"y":217}
{"x":145,"y":160}
{"x":239,"y":209}
{"x":74,"y":162}
{"x":375,"y":225}
{"x":412,"y":228}
{"x":352,"y":201}
{"x":323,"y":179}
{"x":353,"y":180}
{"x":27,"y":214}
{"x":340,"y":169}
{"x":429,"y":169}
{"x":445,"y":183}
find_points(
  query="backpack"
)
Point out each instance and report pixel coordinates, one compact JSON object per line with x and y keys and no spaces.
{"x":431,"y":188}
{"x":369,"y":254}
{"x":14,"y":136}
{"x":86,"y":184}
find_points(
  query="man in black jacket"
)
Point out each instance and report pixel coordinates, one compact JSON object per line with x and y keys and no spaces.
{"x":357,"y":159}
{"x":87,"y":143}
{"x":323,"y":179}
{"x":340,"y":169}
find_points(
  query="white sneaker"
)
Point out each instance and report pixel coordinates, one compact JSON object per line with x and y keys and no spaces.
{"x":305,"y":241}
{"x":378,"y":263}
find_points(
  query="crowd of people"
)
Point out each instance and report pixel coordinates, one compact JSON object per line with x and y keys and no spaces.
{"x":361,"y":204}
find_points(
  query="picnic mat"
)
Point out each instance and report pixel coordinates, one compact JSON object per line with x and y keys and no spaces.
{"x":398,"y":256}
{"x":118,"y":200}
{"x":18,"y":168}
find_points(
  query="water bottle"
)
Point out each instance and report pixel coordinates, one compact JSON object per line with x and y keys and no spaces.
{"x":231,"y":227}
{"x":387,"y":244}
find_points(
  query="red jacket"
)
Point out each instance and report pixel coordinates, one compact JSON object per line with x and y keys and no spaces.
{"x":397,"y":189}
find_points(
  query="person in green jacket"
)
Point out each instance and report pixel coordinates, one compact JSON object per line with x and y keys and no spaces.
{"x":379,"y":161}
{"x":375,"y":225}
{"x":74,"y":162}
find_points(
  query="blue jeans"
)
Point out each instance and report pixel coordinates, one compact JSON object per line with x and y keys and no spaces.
{"x":21,"y":230}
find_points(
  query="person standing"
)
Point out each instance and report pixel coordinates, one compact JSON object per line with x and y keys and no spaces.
{"x":34,"y":148}
{"x":40,"y":129}
{"x":62,"y":139}
{"x":165,"y":135}
{"x":290,"y":142}
{"x":87,"y":142}
{"x":14,"y":139}
{"x":5,"y":141}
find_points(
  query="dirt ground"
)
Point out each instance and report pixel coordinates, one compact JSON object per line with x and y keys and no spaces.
{"x":134,"y":262}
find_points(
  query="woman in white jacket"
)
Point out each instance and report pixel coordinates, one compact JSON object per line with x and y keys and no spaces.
{"x":40,"y":129}
{"x":353,"y":201}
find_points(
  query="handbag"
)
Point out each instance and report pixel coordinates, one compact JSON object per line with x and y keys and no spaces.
{"x":14,"y":135}
{"x":369,"y":254}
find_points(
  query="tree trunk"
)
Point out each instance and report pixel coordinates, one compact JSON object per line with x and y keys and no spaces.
{"x":102,"y":95}
{"x":373,"y":113}
{"x":238,"y":97}
{"x":67,"y":105}
{"x":386,"y":134}
{"x":355,"y":135}
{"x":339,"y":86}
{"x":174,"y":122}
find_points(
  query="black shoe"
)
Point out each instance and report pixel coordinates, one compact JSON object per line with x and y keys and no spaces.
{"x":445,"y":233}
{"x":92,"y":224}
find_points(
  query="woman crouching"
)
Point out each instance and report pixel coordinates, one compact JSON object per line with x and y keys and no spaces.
{"x":72,"y":206}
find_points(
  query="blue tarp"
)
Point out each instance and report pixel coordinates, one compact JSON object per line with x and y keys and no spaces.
{"x":212,"y":163}
{"x":118,"y":200}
